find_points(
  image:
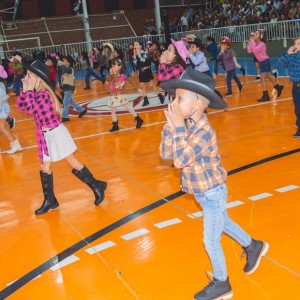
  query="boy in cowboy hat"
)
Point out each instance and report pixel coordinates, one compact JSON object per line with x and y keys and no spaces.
{"x":197,"y":59}
{"x":190,"y":141}
{"x":227,"y":57}
{"x":68,"y":85}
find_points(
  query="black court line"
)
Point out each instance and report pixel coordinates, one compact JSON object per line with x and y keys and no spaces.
{"x":81,"y":244}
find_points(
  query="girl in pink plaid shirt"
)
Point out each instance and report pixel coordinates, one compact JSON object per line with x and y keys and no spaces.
{"x":54,"y":140}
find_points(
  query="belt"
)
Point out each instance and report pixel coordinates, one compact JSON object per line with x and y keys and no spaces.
{"x":48,"y":129}
{"x":297,"y":84}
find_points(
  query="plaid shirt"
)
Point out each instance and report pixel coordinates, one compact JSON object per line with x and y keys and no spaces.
{"x":42,"y":107}
{"x":142,"y":61}
{"x":292,"y":63}
{"x":195,"y":153}
{"x":167,"y":71}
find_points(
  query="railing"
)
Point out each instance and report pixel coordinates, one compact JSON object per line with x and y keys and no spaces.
{"x":282,"y":30}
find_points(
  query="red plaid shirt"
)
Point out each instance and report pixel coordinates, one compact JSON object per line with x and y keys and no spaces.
{"x":42,"y":107}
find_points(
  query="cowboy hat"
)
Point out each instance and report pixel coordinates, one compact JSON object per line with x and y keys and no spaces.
{"x":196,"y":42}
{"x":17,"y":57}
{"x":109,"y":45}
{"x":190,"y":37}
{"x":198,"y":83}
{"x":53,"y":59}
{"x":226,"y":40}
{"x":39,"y":69}
{"x":69,"y":59}
{"x":181,"y":49}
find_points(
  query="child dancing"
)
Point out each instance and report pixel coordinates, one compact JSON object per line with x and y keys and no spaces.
{"x":257,"y":46}
{"x":116,"y":82}
{"x":190,"y":141}
{"x":4,"y":112}
{"x":54,"y":140}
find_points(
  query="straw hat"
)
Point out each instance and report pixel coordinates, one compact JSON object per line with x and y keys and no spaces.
{"x":17,"y":57}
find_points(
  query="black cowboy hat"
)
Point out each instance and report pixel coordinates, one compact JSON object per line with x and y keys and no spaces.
{"x":40,"y":69}
{"x":53,"y":59}
{"x":196,"y":42}
{"x":70,"y":59}
{"x":198,"y":83}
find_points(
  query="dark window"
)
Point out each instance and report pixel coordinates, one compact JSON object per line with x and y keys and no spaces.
{"x":47,"y":8}
{"x":111,"y":5}
{"x":139,"y":4}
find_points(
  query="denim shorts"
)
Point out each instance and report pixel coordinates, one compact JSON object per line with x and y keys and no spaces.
{"x":4,"y":110}
{"x":265,"y":66}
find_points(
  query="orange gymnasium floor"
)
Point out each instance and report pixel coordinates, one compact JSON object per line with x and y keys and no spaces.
{"x":145,"y":240}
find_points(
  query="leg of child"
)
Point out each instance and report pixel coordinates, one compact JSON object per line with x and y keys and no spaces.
{"x":130,"y":109}
{"x":113,"y":114}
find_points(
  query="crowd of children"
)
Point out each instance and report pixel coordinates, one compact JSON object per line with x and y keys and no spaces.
{"x":183,"y":72}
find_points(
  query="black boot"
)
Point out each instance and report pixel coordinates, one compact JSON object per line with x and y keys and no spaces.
{"x":243,"y":71}
{"x":279,"y":89}
{"x":265,"y":97}
{"x":50,"y":201}
{"x":161,"y":98}
{"x":146,"y":101}
{"x":139,"y":121}
{"x":115,"y":127}
{"x":97,"y":186}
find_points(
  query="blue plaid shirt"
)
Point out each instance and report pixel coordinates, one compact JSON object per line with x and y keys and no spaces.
{"x":292,"y":63}
{"x":195,"y":152}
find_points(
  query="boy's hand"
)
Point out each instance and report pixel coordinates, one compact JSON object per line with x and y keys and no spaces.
{"x":174,"y":114}
{"x":292,"y":50}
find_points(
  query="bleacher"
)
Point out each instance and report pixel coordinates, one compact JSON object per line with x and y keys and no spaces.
{"x":54,"y":32}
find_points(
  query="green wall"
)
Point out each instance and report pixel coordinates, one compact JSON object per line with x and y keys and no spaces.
{"x":274,"y":48}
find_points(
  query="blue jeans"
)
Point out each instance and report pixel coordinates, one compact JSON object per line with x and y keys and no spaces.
{"x":68,"y":100}
{"x":90,"y":72}
{"x":231,"y":75}
{"x":18,"y":84}
{"x":296,"y":99}
{"x":215,"y":222}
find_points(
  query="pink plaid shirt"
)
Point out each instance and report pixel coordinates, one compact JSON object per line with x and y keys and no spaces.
{"x":259,"y":50}
{"x":41,"y":106}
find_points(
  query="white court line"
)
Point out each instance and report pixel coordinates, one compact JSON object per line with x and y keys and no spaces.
{"x":134,"y":234}
{"x":287,"y":188}
{"x":167,"y":223}
{"x":260,"y":196}
{"x":100,"y":247}
{"x":67,"y":261}
{"x":228,"y":205}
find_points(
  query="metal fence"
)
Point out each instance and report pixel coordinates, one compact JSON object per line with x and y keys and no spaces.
{"x":281,"y":30}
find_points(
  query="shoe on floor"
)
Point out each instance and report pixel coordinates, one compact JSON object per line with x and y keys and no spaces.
{"x":241,"y":88}
{"x":257,"y":77}
{"x":82,"y":113}
{"x":254,"y":252}
{"x":297,"y":134}
{"x":11,"y":123}
{"x":228,"y":94}
{"x":87,"y":88}
{"x":65,"y":119}
{"x":216,"y":289}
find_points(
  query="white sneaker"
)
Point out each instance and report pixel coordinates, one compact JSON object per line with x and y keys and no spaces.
{"x":15,"y":147}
